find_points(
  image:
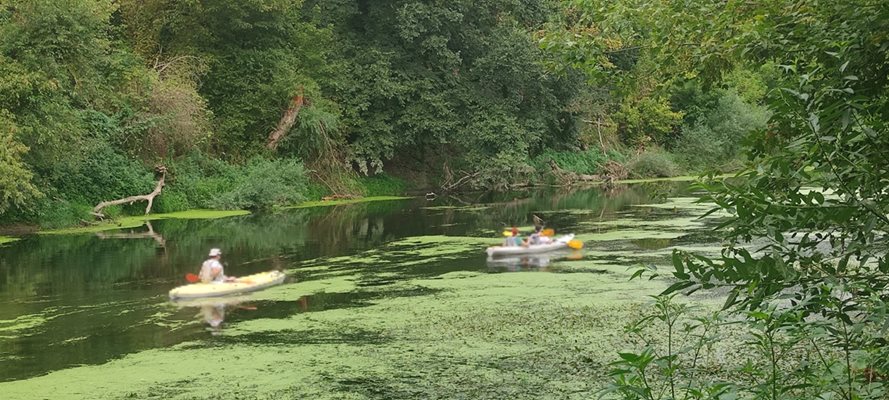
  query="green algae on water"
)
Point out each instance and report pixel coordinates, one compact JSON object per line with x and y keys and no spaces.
{"x":384,"y":323}
{"x":327,"y":203}
{"x":137,"y":221}
{"x":473,"y":333}
{"x":7,"y":239}
{"x":630,"y":234}
{"x":471,"y":208}
{"x":683,"y":178}
{"x":20,"y":325}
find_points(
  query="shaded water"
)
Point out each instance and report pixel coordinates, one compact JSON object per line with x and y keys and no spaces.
{"x":86,"y":299}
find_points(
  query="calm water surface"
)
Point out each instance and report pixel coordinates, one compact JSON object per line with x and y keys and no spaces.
{"x":86,"y":299}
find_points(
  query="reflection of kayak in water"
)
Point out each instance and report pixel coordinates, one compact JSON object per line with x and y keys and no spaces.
{"x":517,"y":263}
{"x":500,"y":251}
{"x":243,"y":284}
{"x":212,"y":309}
{"x":530,"y":261}
{"x":210,"y":301}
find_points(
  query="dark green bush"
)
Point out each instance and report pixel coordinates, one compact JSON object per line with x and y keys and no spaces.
{"x":171,"y":200}
{"x":263,"y":184}
{"x":654,"y":163}
{"x":382,"y":185}
{"x":98,"y":174}
{"x":587,"y":162}
{"x":62,"y":213}
{"x":201,"y":179}
{"x":716,"y":136}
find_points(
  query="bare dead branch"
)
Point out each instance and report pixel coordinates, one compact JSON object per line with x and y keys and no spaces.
{"x":97,"y":211}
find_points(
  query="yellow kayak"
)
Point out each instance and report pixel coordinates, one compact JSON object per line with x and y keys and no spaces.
{"x":243,"y":284}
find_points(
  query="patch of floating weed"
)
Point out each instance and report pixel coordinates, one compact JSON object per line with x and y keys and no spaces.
{"x":692,"y":222}
{"x":680,"y":203}
{"x":342,"y":283}
{"x":471,"y":208}
{"x":328,"y":203}
{"x":19,"y":326}
{"x":137,"y":221}
{"x":629,"y":234}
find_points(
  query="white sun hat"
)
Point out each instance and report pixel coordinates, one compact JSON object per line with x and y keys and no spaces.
{"x":215,"y":252}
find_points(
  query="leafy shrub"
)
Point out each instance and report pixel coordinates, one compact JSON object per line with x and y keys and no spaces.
{"x":100,"y":173}
{"x":263,"y":183}
{"x":647,"y":119}
{"x":200,"y":179}
{"x":587,"y":162}
{"x":382,"y":185}
{"x":171,"y":200}
{"x":61,"y":213}
{"x":16,"y":189}
{"x":715,"y":138}
{"x":653,"y":164}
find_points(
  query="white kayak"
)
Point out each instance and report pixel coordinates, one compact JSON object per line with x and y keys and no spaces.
{"x":243,"y":284}
{"x":559,"y":243}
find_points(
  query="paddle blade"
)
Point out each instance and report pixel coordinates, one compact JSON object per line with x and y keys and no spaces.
{"x":575,"y":244}
{"x":192,"y":277}
{"x":548,"y":232}
{"x":507,"y":233}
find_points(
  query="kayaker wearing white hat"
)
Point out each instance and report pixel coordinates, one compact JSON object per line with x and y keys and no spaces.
{"x":211,"y":270}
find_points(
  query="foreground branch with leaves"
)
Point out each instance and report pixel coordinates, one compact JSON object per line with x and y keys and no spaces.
{"x":806,"y":267}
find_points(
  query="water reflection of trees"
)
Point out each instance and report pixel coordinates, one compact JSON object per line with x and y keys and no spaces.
{"x":81,"y":263}
{"x":516,"y":208}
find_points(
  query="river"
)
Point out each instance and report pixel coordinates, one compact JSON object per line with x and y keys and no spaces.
{"x":390,"y":299}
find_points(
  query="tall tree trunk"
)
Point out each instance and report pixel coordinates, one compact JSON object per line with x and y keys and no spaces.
{"x":287,"y":120}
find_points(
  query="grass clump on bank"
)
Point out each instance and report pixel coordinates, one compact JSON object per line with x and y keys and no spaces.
{"x":587,"y":162}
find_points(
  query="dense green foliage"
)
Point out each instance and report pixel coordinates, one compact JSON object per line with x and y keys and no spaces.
{"x":653,"y":163}
{"x":96,"y":93}
{"x":805,"y":266}
{"x":258,"y":184}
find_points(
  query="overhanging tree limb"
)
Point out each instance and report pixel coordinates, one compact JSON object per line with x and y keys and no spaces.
{"x":97,"y":211}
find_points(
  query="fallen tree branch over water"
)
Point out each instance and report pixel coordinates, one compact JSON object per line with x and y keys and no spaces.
{"x":97,"y":211}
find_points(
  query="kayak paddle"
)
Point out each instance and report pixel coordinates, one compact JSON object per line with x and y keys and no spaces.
{"x":575,"y":244}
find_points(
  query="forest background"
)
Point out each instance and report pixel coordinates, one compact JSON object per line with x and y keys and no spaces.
{"x":257,"y":103}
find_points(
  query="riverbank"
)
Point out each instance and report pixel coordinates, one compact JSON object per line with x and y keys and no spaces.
{"x":139,"y":220}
